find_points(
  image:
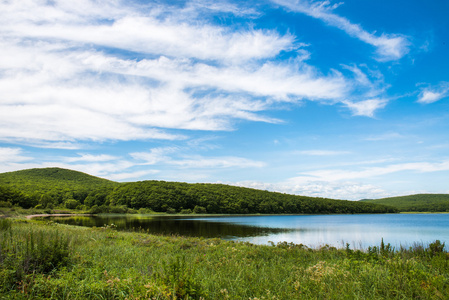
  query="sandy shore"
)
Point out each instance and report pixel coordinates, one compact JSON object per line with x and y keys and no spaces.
{"x":56,"y":215}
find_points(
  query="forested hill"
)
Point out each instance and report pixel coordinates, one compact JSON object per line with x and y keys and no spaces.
{"x":38,"y":178}
{"x":50,"y":187}
{"x":416,"y":203}
{"x":54,"y":187}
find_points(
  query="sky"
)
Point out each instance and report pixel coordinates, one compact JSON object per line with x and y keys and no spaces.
{"x":346,"y":100}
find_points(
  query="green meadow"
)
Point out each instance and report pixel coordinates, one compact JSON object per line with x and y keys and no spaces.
{"x":44,"y":260}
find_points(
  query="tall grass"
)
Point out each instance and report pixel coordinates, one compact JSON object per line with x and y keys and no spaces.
{"x":102,"y":263}
{"x":24,"y":253}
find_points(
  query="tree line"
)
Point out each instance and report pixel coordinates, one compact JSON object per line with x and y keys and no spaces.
{"x":53,"y":187}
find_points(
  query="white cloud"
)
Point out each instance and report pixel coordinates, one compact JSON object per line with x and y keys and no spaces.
{"x":322,"y":189}
{"x":430,"y":95}
{"x":91,"y":158}
{"x":347,"y":183}
{"x":196,"y":6}
{"x":156,"y":155}
{"x":12,"y":155}
{"x":217,"y":162}
{"x":139,"y":32}
{"x":334,"y":175}
{"x":131,"y":175}
{"x":365,"y":107}
{"x":68,"y":94}
{"x":388,"y":46}
{"x":168,"y":156}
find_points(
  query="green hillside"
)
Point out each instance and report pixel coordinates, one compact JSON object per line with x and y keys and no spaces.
{"x":50,"y":187}
{"x":55,"y":187}
{"x":416,"y":203}
{"x":219,"y":198}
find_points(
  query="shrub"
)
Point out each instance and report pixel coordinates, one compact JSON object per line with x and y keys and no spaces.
{"x":94,"y":209}
{"x":179,"y":279}
{"x":5,"y":204}
{"x":145,"y":210}
{"x":171,"y":210}
{"x":72,"y":204}
{"x":27,"y":253}
{"x":436,"y":247}
{"x":122,"y":209}
{"x":185,"y":211}
{"x":5,"y":224}
{"x":199,"y":210}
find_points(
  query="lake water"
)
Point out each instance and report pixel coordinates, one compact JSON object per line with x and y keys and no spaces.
{"x":360,"y":231}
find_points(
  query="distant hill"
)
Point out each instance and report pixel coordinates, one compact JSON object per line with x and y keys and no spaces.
{"x":416,"y":203}
{"x":51,"y":186}
{"x":226,"y":199}
{"x":55,"y":187}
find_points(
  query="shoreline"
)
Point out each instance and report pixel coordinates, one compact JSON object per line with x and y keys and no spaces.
{"x":57,"y":215}
{"x":29,"y":217}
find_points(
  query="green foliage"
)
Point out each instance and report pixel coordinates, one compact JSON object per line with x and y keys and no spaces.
{"x":436,"y":247}
{"x":5,"y":224}
{"x":26,"y":253}
{"x":59,"y":188}
{"x":72,"y":203}
{"x":416,"y":203}
{"x":5,"y":204}
{"x":160,"y":196}
{"x":199,"y":210}
{"x":50,"y":187}
{"x":185,"y":211}
{"x":10,"y":196}
{"x":177,"y":277}
{"x":108,"y":264}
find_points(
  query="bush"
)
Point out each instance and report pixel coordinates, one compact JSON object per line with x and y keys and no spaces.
{"x":118,"y":209}
{"x":145,"y":210}
{"x":27,"y":253}
{"x":72,"y":204}
{"x":5,"y":224}
{"x":436,"y":247}
{"x":199,"y":210}
{"x":179,"y":278}
{"x":5,"y":204}
{"x":171,"y":210}
{"x":94,"y":209}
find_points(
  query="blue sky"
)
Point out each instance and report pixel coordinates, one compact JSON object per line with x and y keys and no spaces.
{"x":346,"y":100}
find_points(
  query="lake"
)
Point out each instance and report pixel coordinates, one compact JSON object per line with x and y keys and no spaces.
{"x":360,"y":231}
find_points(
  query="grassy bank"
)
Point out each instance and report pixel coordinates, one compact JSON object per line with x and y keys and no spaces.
{"x":53,"y":261}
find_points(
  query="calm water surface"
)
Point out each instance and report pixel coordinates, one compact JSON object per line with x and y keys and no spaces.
{"x":360,"y":231}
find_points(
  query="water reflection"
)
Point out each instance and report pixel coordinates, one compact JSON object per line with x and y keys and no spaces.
{"x":360,"y":231}
{"x":173,"y":225}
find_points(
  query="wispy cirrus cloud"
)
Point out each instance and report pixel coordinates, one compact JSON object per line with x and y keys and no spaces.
{"x":335,"y":190}
{"x":365,"y":107}
{"x":433,"y":94}
{"x":217,"y":162}
{"x":12,"y":155}
{"x":333,"y":175}
{"x":349,"y":183}
{"x":388,"y":46}
{"x":171,"y":156}
{"x":123,"y":176}
{"x":155,"y":155}
{"x":92,"y":158}
{"x":73,"y":75}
